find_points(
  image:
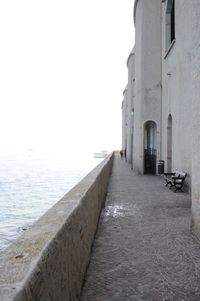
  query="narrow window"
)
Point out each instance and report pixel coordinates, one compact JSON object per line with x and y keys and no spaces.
{"x":170,"y":23}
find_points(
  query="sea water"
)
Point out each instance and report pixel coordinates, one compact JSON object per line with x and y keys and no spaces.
{"x":31,"y":184}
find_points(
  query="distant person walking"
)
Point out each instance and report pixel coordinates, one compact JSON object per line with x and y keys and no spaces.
{"x":121,"y":153}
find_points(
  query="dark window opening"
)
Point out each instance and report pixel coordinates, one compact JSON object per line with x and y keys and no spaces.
{"x":150,"y":147}
{"x":173,"y":22}
{"x":169,"y":24}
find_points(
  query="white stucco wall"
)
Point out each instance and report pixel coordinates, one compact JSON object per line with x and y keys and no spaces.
{"x":124,"y":119}
{"x":176,"y":92}
{"x":133,"y":109}
{"x":195,"y":97}
{"x":130,"y":65}
{"x":180,"y":91}
{"x":147,"y":75}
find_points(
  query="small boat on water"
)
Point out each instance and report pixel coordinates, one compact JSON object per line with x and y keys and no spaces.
{"x":101,"y":154}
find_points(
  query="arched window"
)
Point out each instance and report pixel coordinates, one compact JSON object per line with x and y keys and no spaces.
{"x":150,"y":141}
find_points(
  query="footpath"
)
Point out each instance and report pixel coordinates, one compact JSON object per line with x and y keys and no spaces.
{"x":143,"y":249}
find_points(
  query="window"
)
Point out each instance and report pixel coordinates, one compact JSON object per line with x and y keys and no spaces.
{"x":173,"y":22}
{"x":169,"y":23}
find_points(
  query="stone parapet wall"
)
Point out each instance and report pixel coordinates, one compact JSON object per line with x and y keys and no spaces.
{"x":48,"y":262}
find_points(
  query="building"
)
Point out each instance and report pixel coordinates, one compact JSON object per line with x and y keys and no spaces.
{"x":162,"y":118}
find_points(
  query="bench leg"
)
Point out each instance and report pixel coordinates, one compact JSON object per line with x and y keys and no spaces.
{"x":167,"y":183}
{"x":178,"y":189}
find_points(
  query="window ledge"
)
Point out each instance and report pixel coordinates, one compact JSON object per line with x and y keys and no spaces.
{"x":169,"y":49}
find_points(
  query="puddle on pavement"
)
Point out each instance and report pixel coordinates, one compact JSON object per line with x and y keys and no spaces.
{"x":121,"y":210}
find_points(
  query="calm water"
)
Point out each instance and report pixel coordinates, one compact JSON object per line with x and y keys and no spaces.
{"x":30,"y":185}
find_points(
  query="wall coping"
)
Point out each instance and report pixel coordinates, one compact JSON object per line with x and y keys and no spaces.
{"x":26,"y":266}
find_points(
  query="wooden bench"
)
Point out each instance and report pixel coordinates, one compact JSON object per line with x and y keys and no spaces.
{"x":175,"y":179}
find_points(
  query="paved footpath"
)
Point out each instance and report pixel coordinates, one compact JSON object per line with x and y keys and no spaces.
{"x":143,"y":248}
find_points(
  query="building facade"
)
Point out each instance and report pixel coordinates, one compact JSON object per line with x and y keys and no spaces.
{"x":163,"y":92}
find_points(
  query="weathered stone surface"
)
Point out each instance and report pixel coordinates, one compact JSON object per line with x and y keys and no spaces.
{"x":195,"y":77}
{"x":143,"y":249}
{"x":48,"y":261}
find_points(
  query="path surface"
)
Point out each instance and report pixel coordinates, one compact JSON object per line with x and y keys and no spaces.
{"x":143,"y":248}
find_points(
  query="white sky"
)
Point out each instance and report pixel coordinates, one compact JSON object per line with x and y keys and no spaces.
{"x":62,"y":73}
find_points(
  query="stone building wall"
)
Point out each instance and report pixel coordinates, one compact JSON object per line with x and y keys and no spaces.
{"x":130,"y":91}
{"x":162,"y":86}
{"x":176,"y":91}
{"x":195,"y":98}
{"x":124,"y":119}
{"x":147,"y":106}
{"x":166,"y":89}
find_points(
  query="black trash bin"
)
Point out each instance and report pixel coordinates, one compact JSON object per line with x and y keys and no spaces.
{"x":161,"y":167}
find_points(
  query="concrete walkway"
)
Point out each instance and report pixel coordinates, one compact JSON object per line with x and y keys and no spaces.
{"x":143,"y":248}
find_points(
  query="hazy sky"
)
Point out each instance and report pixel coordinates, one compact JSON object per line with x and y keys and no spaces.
{"x":62,"y":73}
